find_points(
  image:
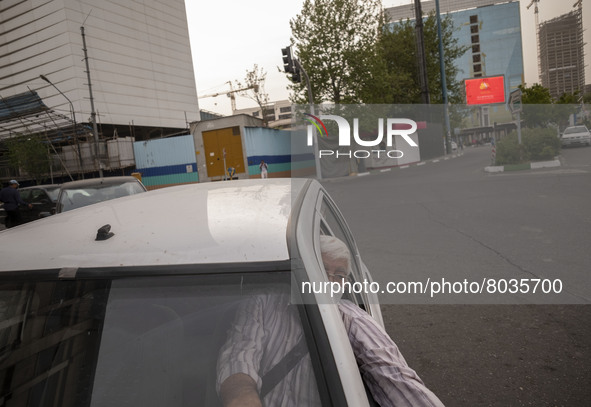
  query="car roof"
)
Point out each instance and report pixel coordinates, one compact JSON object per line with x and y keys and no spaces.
{"x":97,"y":181}
{"x":43,"y":186}
{"x":220,"y":222}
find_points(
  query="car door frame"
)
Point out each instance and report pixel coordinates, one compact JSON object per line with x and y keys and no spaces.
{"x":326,"y":315}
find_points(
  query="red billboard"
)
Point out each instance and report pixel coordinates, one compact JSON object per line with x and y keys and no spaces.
{"x":484,"y":91}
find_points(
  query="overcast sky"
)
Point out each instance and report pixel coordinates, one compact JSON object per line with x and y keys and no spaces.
{"x":230,"y":37}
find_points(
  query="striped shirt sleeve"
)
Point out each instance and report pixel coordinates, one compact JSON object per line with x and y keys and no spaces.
{"x":387,"y":375}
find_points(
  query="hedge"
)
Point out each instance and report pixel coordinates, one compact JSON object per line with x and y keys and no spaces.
{"x":536,"y":145}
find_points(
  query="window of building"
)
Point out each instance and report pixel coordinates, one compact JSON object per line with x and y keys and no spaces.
{"x":476,"y":58}
{"x":284,"y":116}
{"x":256,"y":114}
{"x":477,"y":68}
{"x":474,"y":19}
{"x":286,"y":109}
{"x":476,"y":48}
{"x":475,"y":39}
{"x":474,"y":29}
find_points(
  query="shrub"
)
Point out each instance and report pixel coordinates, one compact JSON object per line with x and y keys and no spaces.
{"x":536,"y":145}
{"x":508,"y":151}
{"x":541,"y":144}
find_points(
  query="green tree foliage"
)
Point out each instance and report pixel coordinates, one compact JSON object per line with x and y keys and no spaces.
{"x":540,"y":110}
{"x":336,"y":46}
{"x":352,"y":56}
{"x":29,"y":153}
{"x":398,"y":46}
{"x":535,"y":95}
{"x":569,"y":98}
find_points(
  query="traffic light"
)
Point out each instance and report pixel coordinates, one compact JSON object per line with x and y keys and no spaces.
{"x":296,"y":75}
{"x":287,"y":60}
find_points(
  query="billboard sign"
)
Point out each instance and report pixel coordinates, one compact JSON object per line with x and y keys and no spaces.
{"x":484,"y":91}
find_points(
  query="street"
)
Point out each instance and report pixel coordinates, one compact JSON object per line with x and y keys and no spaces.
{"x":450,"y":219}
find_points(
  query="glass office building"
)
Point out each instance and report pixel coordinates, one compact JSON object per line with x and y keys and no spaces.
{"x":492,"y":33}
{"x":493,"y":37}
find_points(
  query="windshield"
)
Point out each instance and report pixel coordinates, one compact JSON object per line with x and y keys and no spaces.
{"x":128,"y":342}
{"x":53,"y":193}
{"x":577,"y":129}
{"x":77,"y":198}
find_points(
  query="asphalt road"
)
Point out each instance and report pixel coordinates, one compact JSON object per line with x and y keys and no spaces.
{"x":451,"y":219}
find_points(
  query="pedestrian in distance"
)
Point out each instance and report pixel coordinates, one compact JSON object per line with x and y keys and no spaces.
{"x":263,"y":167}
{"x":12,"y":199}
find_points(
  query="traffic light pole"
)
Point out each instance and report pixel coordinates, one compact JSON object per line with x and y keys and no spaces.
{"x":299,"y":67}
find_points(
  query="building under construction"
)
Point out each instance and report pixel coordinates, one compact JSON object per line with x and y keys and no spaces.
{"x":562,"y":66}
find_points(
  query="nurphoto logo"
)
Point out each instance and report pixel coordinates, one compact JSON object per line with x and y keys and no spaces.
{"x":394,"y":127}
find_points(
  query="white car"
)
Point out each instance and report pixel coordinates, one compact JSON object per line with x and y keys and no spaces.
{"x":575,"y":135}
{"x":127,"y":302}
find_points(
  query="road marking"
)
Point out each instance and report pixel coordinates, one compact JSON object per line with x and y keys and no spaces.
{"x":386,"y":170}
{"x":435,"y":161}
{"x":421,"y":163}
{"x":404,"y":166}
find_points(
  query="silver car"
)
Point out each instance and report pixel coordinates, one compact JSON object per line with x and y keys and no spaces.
{"x":576,"y":135}
{"x":76,"y":194}
{"x":129,"y":300}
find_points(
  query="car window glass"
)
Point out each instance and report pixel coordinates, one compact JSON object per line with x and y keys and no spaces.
{"x":332,"y":224}
{"x":25,"y":194}
{"x":39,"y":196}
{"x":53,"y":193}
{"x":134,"y":342}
{"x":79,"y":197}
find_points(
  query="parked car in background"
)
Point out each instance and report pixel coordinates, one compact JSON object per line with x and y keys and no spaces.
{"x":42,"y":197}
{"x":130,"y":301}
{"x":76,"y":194}
{"x":575,"y":135}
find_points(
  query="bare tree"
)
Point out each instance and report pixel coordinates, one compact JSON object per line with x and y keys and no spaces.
{"x":254,"y":85}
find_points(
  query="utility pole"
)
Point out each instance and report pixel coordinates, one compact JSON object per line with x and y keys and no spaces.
{"x":92,"y":111}
{"x":421,"y":58}
{"x":293,"y":66}
{"x":443,"y":84}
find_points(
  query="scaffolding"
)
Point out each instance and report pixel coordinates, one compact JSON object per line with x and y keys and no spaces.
{"x":561,"y":55}
{"x":70,"y":145}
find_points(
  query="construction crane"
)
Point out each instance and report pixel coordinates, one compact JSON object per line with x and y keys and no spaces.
{"x":537,"y":34}
{"x":231,"y":93}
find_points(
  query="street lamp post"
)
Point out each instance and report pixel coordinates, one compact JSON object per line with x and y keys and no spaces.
{"x":73,"y":114}
{"x":443,"y":84}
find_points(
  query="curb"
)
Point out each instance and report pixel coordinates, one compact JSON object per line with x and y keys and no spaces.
{"x":527,"y":166}
{"x":404,"y":166}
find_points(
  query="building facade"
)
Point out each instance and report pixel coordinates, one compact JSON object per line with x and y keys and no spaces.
{"x":138,"y":54}
{"x":562,"y":66}
{"x":490,"y":29}
{"x":277,"y":115}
